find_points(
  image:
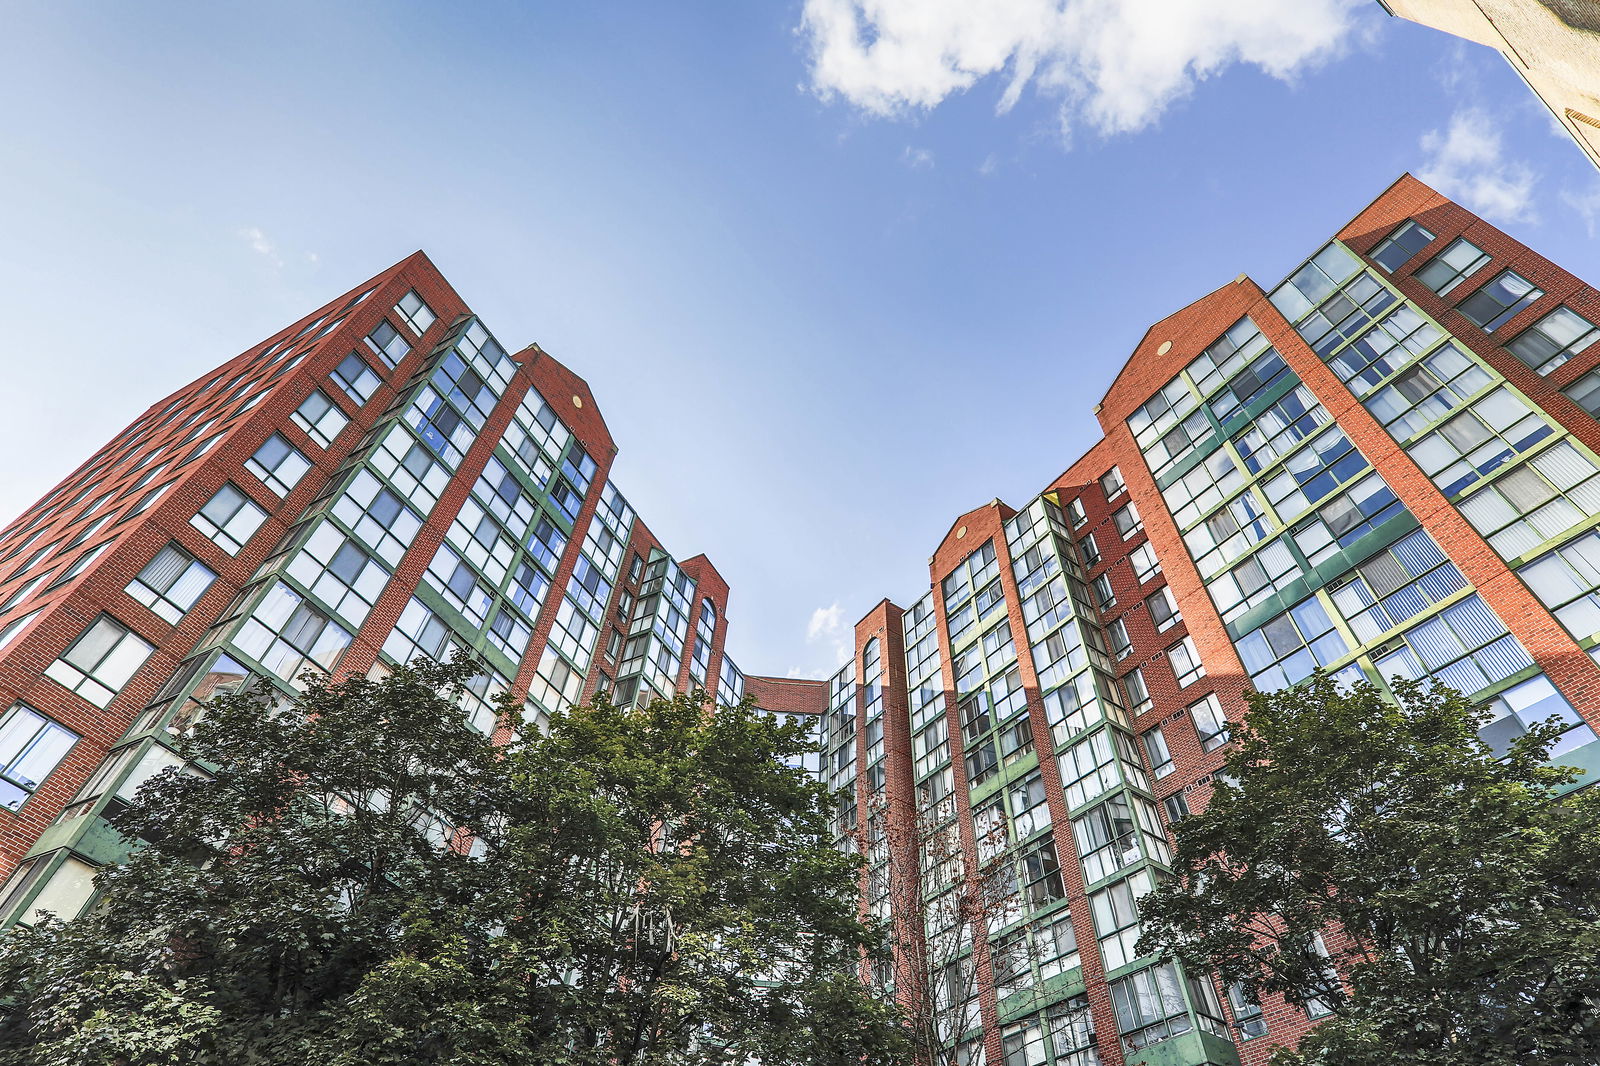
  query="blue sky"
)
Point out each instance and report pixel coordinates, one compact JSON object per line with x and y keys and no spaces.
{"x":856,"y":290}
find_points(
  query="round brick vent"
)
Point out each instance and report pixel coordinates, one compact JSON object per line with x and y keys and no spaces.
{"x":1166,"y":346}
{"x":577,"y":401}
{"x":961,"y":532}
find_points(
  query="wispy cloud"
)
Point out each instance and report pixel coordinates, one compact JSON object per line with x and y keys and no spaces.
{"x":917,"y":158}
{"x":828,"y":634}
{"x":1466,"y":161}
{"x":1586,"y":204}
{"x":1115,"y":64}
{"x":261,"y":244}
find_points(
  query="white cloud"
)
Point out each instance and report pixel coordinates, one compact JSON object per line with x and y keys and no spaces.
{"x":828,"y":633}
{"x":917,"y":158}
{"x":1587,"y":205}
{"x":825,"y":622}
{"x":259,"y":243}
{"x":1115,"y":63}
{"x":1467,"y":162}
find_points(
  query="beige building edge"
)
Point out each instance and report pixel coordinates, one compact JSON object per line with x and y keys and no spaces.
{"x":1553,"y":44}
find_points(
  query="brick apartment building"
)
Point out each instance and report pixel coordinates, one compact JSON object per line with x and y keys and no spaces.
{"x":1389,"y":464}
{"x":379,"y":480}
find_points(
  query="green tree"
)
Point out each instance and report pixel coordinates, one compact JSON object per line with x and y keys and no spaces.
{"x":362,"y":879}
{"x":1380,"y":860}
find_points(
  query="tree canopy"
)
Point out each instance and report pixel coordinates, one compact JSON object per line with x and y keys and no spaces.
{"x":363,"y":879}
{"x":1376,"y":860}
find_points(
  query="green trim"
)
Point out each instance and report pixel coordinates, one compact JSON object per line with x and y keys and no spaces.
{"x":1341,"y":562}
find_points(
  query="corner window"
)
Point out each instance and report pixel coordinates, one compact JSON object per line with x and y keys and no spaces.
{"x":1149,"y":1006}
{"x":1451,"y":267}
{"x":1091,"y":551}
{"x":1554,"y":339}
{"x":171,"y":583}
{"x":100,"y":662}
{"x":1501,"y":300}
{"x":1075,"y":512}
{"x":230,"y":518}
{"x":1395,"y":250}
{"x":31,"y":746}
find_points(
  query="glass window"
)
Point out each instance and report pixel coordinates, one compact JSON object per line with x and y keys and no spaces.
{"x":1567,"y":580}
{"x":1287,"y":648}
{"x":1117,"y":635}
{"x":1150,"y":1006}
{"x":1116,"y":918}
{"x":1164,"y":609}
{"x":1469,"y":445}
{"x":1176,"y":806}
{"x":1395,"y":585}
{"x":1394,"y":341}
{"x":339,"y":572}
{"x":1585,"y":392}
{"x":1138,"y":692}
{"x":1104,"y":597}
{"x":1464,"y":646}
{"x":31,"y":746}
{"x":1554,"y":339}
{"x":1279,"y":429}
{"x":320,"y":417}
{"x":1314,"y":282}
{"x":1261,"y":374}
{"x":356,"y":378}
{"x":287,"y":634}
{"x":171,"y":583}
{"x":1247,"y":1016}
{"x":1156,"y":752}
{"x":1144,"y":561}
{"x":1314,"y":472}
{"x":1126,"y":519}
{"x":1185,"y":660}
{"x":1498,"y":302}
{"x":1209,"y":724}
{"x":1091,"y":550}
{"x":230,"y":518}
{"x":378,"y":517}
{"x":278,"y":464}
{"x":101,"y":661}
{"x":1450,"y":268}
{"x":1521,"y":706}
{"x":1111,"y":483}
{"x":1536,"y":501}
{"x":1075,"y":512}
{"x":1097,"y":764}
{"x":1395,"y":250}
{"x":387,"y":344}
{"x":414,"y":313}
